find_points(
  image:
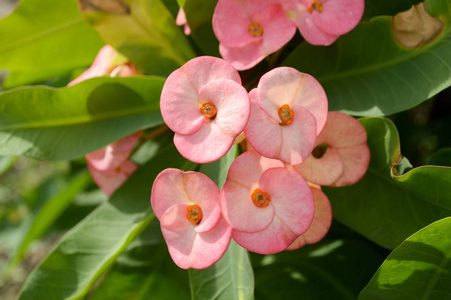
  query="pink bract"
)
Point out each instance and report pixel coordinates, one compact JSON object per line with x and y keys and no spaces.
{"x":204,"y":82}
{"x":114,"y":154}
{"x":250,"y":30}
{"x":270,"y":226}
{"x":110,"y":180}
{"x":321,"y":221}
{"x":191,"y":245}
{"x":266,"y":131}
{"x":342,"y":153}
{"x":180,"y":20}
{"x":321,"y":22}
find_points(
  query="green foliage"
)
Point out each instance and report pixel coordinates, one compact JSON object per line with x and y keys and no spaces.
{"x":368,"y":73}
{"x":69,"y":122}
{"x":417,"y":269}
{"x":387,"y":208}
{"x":375,"y":8}
{"x":150,"y":36}
{"x":43,"y":39}
{"x":441,"y":158}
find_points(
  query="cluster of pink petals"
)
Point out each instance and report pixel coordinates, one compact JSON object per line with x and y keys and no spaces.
{"x":343,"y":155}
{"x":250,"y":30}
{"x":194,"y":240}
{"x":292,"y":142}
{"x":180,"y":20}
{"x":321,"y":22}
{"x":274,"y":226}
{"x":110,"y":166}
{"x":210,"y":83}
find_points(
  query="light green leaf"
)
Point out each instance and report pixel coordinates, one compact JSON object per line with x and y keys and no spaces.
{"x":92,"y":246}
{"x":44,"y":39}
{"x":387,"y":208}
{"x":69,"y":122}
{"x":143,"y":30}
{"x":232,"y":276}
{"x":368,"y":73}
{"x":181,"y":3}
{"x":6,"y":162}
{"x":418,"y":269}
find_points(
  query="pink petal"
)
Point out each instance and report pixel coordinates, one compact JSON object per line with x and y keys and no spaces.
{"x":180,"y":20}
{"x":291,"y":143}
{"x":291,"y":197}
{"x":110,"y":180}
{"x":312,"y":33}
{"x":286,"y":85}
{"x":173,"y":187}
{"x":243,"y":58}
{"x":188,"y":248}
{"x":102,"y":65}
{"x":111,"y":156}
{"x":179,"y":102}
{"x":339,"y":16}
{"x":355,"y":163}
{"x":323,"y":171}
{"x":321,"y":221}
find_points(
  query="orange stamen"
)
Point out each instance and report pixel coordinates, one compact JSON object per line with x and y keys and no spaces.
{"x":194,"y":214}
{"x":259,"y":198}
{"x":209,"y":110}
{"x":255,"y":29}
{"x":285,"y":115}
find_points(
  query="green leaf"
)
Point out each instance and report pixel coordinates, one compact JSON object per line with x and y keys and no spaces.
{"x":375,"y":8}
{"x":143,"y":30}
{"x":50,"y":212}
{"x":66,"y":123}
{"x":6,"y":162}
{"x":92,"y":246}
{"x":199,"y":14}
{"x":417,"y":269}
{"x":43,"y":39}
{"x":387,"y":208}
{"x":336,"y":268}
{"x":181,"y":3}
{"x":440,"y":158}
{"x":232,"y":276}
{"x":368,"y":73}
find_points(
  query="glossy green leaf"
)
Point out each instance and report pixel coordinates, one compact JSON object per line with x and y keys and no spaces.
{"x":367,"y":73}
{"x":232,"y":276}
{"x":387,"y":208}
{"x":69,"y":122}
{"x":386,"y":7}
{"x":336,"y":268}
{"x":49,"y":213}
{"x":143,"y":30}
{"x":440,"y":158}
{"x":199,"y":14}
{"x":43,"y":39}
{"x":418,"y":269}
{"x":92,"y":246}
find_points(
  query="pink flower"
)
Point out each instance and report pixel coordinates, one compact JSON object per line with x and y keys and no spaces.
{"x":321,"y":221}
{"x":250,"y":30}
{"x":288,"y":110}
{"x":180,"y":20}
{"x":110,"y":180}
{"x":187,"y":205}
{"x":267,"y":205}
{"x":204,"y":103}
{"x":321,"y":22}
{"x":341,"y":156}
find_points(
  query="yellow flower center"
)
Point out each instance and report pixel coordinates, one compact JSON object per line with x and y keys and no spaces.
{"x":316,"y":5}
{"x":285,"y":115}
{"x":259,"y":198}
{"x":194,"y":214}
{"x":209,"y":110}
{"x":255,"y":29}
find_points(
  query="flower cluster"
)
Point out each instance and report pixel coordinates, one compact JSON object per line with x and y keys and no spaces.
{"x":250,"y":30}
{"x":110,"y":166}
{"x":266,"y":205}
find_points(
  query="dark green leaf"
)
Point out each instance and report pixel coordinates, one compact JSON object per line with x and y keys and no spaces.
{"x":387,"y":208}
{"x":417,"y":269}
{"x":232,"y":276}
{"x":43,"y":39}
{"x":440,"y":158}
{"x":69,"y":122}
{"x":143,"y":30}
{"x":368,"y":73}
{"x":386,"y":7}
{"x":92,"y":246}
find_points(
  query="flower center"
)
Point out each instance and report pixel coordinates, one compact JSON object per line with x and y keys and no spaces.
{"x":316,"y":5}
{"x":285,"y":115}
{"x":319,"y":151}
{"x":194,"y":214}
{"x":209,"y":110}
{"x":255,"y":29}
{"x":259,"y":198}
